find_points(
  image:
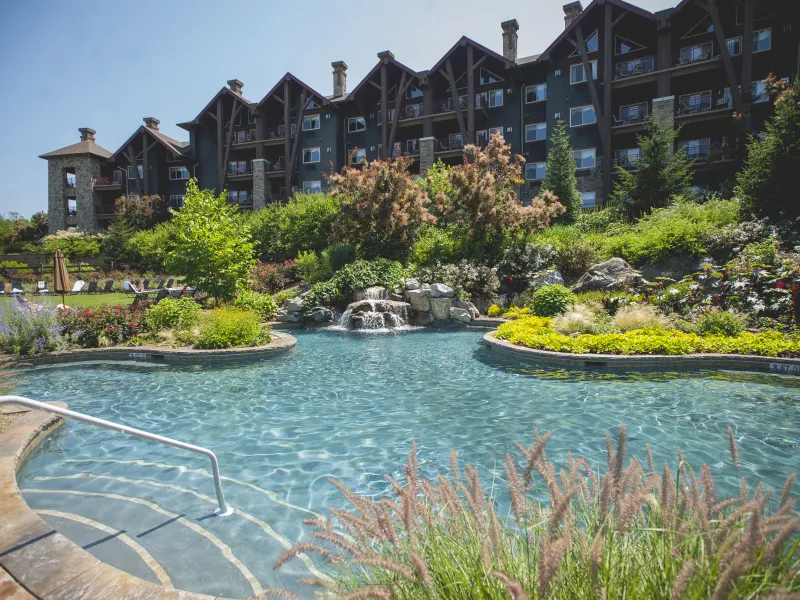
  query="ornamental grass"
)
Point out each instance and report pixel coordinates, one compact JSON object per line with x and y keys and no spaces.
{"x":632,"y":531}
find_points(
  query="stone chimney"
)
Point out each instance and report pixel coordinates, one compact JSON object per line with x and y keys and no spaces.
{"x":339,"y":78}
{"x":510,"y":29}
{"x":151,"y":123}
{"x":236,"y":86}
{"x":385,"y":55}
{"x":571,"y":12}
{"x":87,"y":134}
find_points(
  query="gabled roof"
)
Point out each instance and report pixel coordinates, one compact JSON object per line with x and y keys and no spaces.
{"x":314,"y":93}
{"x":526,"y":60}
{"x":376,"y":68}
{"x":82,"y":147}
{"x":620,"y":3}
{"x":225,"y":90}
{"x":466,"y":41}
{"x":174,"y":146}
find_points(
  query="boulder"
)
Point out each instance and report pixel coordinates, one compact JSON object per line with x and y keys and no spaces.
{"x":396,"y":298}
{"x":419,"y":300}
{"x":411,"y":284}
{"x":440,"y":290}
{"x":440,"y":307}
{"x":361,"y":307}
{"x":549,"y":277}
{"x":615,"y":273}
{"x":285,"y":316}
{"x":294,"y":304}
{"x":425,"y":286}
{"x":422,"y":319}
{"x":460,"y":314}
{"x":320,"y":314}
{"x":468,"y":306}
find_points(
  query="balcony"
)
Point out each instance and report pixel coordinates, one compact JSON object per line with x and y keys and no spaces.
{"x":244,"y":136}
{"x":625,"y":162}
{"x":241,"y":170}
{"x":407,"y":148}
{"x":693,"y":104}
{"x":632,"y":68}
{"x":107,"y":183}
{"x":452,"y":144}
{"x":630,"y":115}
{"x":704,"y":106}
{"x":276,"y":168}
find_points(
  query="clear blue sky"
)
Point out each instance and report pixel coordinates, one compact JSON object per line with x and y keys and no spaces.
{"x":100,"y":64}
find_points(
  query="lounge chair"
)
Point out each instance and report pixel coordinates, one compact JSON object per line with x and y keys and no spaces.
{"x":162,"y":293}
{"x":78,"y":287}
{"x":41,"y":288}
{"x":109,"y":285}
{"x":2,"y":288}
{"x":128,"y":286}
{"x":170,"y":283}
{"x":92,"y":286}
{"x":145,"y":284}
{"x":140,"y":297}
{"x":16,"y":288}
{"x":160,"y":285}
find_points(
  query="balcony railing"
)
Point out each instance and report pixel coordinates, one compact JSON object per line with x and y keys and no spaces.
{"x":694,"y":105}
{"x":454,"y":142}
{"x":101,"y":181}
{"x":407,"y":148}
{"x":695,"y":54}
{"x":626,"y":162}
{"x":411,"y":111}
{"x":631,"y":68}
{"x":240,"y":170}
{"x":278,"y":165}
{"x":632,"y":114}
{"x":279,"y":132}
{"x":244,"y":136}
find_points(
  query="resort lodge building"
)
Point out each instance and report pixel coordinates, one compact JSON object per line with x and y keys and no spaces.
{"x":699,"y":65}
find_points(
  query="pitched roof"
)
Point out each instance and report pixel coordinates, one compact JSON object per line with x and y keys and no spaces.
{"x":82,"y":147}
{"x":290,"y":77}
{"x":174,"y":146}
{"x":225,"y":90}
{"x":620,"y":3}
{"x":528,"y":59}
{"x":464,"y":41}
{"x":376,"y":68}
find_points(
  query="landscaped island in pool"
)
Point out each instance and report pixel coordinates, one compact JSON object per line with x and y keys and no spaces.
{"x":349,"y":406}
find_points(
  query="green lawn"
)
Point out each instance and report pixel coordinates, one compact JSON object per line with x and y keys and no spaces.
{"x":87,"y":300}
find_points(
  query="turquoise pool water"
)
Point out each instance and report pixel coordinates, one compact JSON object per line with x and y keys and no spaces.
{"x":349,"y":406}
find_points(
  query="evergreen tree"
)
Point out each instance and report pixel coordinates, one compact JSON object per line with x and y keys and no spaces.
{"x":768,"y":184}
{"x":657,"y":176}
{"x":560,"y":178}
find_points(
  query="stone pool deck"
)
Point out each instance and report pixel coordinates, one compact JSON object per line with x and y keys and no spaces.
{"x":280,"y":344}
{"x":736,"y":362}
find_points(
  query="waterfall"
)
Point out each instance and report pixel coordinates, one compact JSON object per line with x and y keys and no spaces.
{"x":375,"y":314}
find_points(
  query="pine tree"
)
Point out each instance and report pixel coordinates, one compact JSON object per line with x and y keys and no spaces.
{"x":560,"y":178}
{"x":657,"y":176}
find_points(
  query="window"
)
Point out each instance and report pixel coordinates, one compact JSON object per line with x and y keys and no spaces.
{"x":131,"y":174}
{"x":693,"y":54}
{"x":237,"y":167}
{"x":251,"y":118}
{"x":584,"y":159}
{"x":413,"y":92}
{"x":633,"y":113}
{"x":535,"y":171}
{"x":495,"y":98}
{"x":72,"y":208}
{"x":759,"y":92}
{"x":312,"y":187}
{"x":486,"y":77}
{"x":627,"y":157}
{"x":696,"y":149}
{"x":356,"y":124}
{"x":536,"y":132}
{"x":361,"y":154}
{"x":238,"y":119}
{"x":72,"y":180}
{"x":703,"y":26}
{"x":176,"y":200}
{"x":536,"y":93}
{"x":591,"y":45}
{"x":582,"y":115}
{"x":694,"y":103}
{"x":762,"y":40}
{"x":178,"y":173}
{"x":312,"y":105}
{"x":588,"y":199}
{"x":577,"y":73}
{"x":624,"y":45}
{"x":734,"y":45}
{"x":493,"y":130}
{"x":310,"y":155}
{"x":311,"y":122}
{"x":241,"y":137}
{"x":481,"y":137}
{"x":117,"y":176}
{"x":240,"y":197}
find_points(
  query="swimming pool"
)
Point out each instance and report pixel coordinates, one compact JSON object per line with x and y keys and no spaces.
{"x":349,"y":406}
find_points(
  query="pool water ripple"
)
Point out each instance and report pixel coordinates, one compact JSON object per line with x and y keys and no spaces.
{"x":350,"y":406}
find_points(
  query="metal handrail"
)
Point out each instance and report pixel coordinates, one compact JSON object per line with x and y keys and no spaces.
{"x":223,"y":510}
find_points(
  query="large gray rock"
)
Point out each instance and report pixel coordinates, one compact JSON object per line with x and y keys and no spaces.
{"x":549,"y":277}
{"x":294,"y":304}
{"x":422,"y":319}
{"x":440,"y":290}
{"x":319,"y":314}
{"x":440,"y":307}
{"x":411,"y":284}
{"x":285,"y":316}
{"x":419,"y":300}
{"x":613,"y":274}
{"x":460,"y":314}
{"x":468,"y":306}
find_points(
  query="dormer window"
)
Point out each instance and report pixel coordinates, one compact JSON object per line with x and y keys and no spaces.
{"x":591,"y":46}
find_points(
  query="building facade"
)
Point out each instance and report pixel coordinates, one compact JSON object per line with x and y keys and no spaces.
{"x":699,"y":66}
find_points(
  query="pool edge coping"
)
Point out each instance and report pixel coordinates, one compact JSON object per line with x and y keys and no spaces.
{"x":738,"y":362}
{"x":281,"y":343}
{"x":42,"y":562}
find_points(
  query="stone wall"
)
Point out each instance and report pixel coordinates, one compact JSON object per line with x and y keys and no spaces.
{"x":426,"y":154}
{"x":86,"y":168}
{"x":591,"y":180}
{"x":56,"y":194}
{"x":259,"y":184}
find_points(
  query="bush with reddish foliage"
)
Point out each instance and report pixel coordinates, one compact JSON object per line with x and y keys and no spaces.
{"x":102,"y":326}
{"x":273,"y":277}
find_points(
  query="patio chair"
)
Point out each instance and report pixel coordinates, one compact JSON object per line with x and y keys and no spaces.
{"x":16,"y":288}
{"x":146,"y":284}
{"x":92,"y":286}
{"x":2,"y":288}
{"x":109,"y":285}
{"x":160,"y":285}
{"x":170,"y":283}
{"x":162,"y":293}
{"x":78,"y":287}
{"x":41,"y":288}
{"x":128,"y":286}
{"x":140,"y":297}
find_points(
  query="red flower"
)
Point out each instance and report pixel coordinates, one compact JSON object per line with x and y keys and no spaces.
{"x":780,"y":285}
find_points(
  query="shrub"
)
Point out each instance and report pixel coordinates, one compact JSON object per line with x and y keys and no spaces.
{"x":29,"y":329}
{"x":620,"y":532}
{"x":522,"y":260}
{"x":355,"y":276}
{"x":308,"y":266}
{"x":306,"y":222}
{"x":229,"y":327}
{"x":468,"y":279}
{"x":765,"y":252}
{"x":560,"y":176}
{"x":551,"y":300}
{"x":579,"y":320}
{"x":150,"y":248}
{"x":639,"y":316}
{"x":335,"y":256}
{"x":574,"y":250}
{"x":495,"y":310}
{"x":261,"y":304}
{"x":72,"y":244}
{"x":272,"y":277}
{"x":284,"y":295}
{"x":720,"y":323}
{"x":437,"y":245}
{"x":172,"y":312}
{"x":517,"y":312}
{"x":102,"y":326}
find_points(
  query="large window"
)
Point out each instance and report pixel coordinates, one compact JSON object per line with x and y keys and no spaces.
{"x":495,"y":98}
{"x":310,"y":155}
{"x":178,"y":173}
{"x":696,"y":149}
{"x":633,"y":113}
{"x":360,"y":154}
{"x":535,"y":171}
{"x":734,"y":45}
{"x":536,"y":132}
{"x":762,"y":40}
{"x":584,"y":159}
{"x":693,"y":54}
{"x":239,"y":197}
{"x":577,"y":74}
{"x":588,"y":199}
{"x":238,"y":167}
{"x":356,"y":124}
{"x":536,"y":93}
{"x":176,"y":200}
{"x":131,"y":174}
{"x":582,"y":115}
{"x":311,"y":122}
{"x":493,"y":130}
{"x":694,"y":103}
{"x":758,"y":90}
{"x":312,"y":187}
{"x":626,"y":157}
